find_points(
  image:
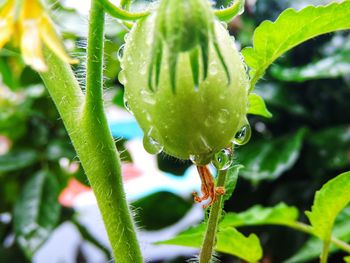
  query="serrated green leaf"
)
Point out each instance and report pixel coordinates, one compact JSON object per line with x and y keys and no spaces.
{"x":328,"y":202}
{"x":280,"y":214}
{"x":232,"y":242}
{"x":229,"y":241}
{"x":268,"y":159}
{"x":231,"y":181}
{"x":36,"y":212}
{"x":16,"y":160}
{"x":313,"y":247}
{"x":331,"y":67}
{"x":272,"y":39}
{"x":257,"y":106}
{"x":189,"y":238}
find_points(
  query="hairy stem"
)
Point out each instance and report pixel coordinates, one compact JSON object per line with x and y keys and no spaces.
{"x":227,"y":14}
{"x":86,"y":124}
{"x":215,"y":214}
{"x":109,"y":191}
{"x":120,"y":13}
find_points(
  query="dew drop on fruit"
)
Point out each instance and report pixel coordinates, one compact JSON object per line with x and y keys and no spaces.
{"x":223,"y":159}
{"x":121,"y":52}
{"x":213,"y":70}
{"x":150,"y":144}
{"x":224,"y":24}
{"x":122,"y":77}
{"x":126,"y":36}
{"x":224,"y":115}
{"x":126,"y":105}
{"x":148,"y":97}
{"x":199,"y":160}
{"x":243,"y":135}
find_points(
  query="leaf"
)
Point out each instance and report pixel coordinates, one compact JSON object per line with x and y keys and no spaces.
{"x":267,"y":160}
{"x":330,"y":67}
{"x":231,"y":181}
{"x":16,"y":160}
{"x":189,"y":238}
{"x":232,"y":242}
{"x":272,"y":39}
{"x":328,"y":202}
{"x":36,"y":212}
{"x":257,"y":106}
{"x":229,"y":241}
{"x":280,"y":214}
{"x":313,"y":247}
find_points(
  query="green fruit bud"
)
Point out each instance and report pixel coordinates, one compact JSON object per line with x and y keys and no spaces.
{"x":200,"y":118}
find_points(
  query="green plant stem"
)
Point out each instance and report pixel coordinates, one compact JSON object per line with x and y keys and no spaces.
{"x":325,"y":251}
{"x":215,"y":214}
{"x":109,"y":185}
{"x":86,"y":124}
{"x":227,"y":14}
{"x":120,"y":13}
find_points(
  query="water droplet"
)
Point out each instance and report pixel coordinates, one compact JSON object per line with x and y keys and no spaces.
{"x":222,"y":160}
{"x":224,"y":24}
{"x":122,"y":77}
{"x":213,"y":70}
{"x":148,"y":96}
{"x":126,"y":105}
{"x":143,"y":69}
{"x":243,"y":135}
{"x":202,"y":159}
{"x":126,"y":36}
{"x":241,"y":8}
{"x":150,"y":144}
{"x":121,"y":52}
{"x":223,"y":116}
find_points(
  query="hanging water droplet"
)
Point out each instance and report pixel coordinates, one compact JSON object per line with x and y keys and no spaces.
{"x":224,"y":24}
{"x":241,"y":8}
{"x":243,"y":135}
{"x":202,"y":159}
{"x":222,"y":160}
{"x":150,"y":144}
{"x":126,"y":105}
{"x":126,"y":36}
{"x":122,"y":77}
{"x":121,"y":52}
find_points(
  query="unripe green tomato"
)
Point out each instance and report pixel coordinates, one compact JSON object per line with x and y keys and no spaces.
{"x":193,"y":121}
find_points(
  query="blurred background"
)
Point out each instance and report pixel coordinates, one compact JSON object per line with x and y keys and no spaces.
{"x":48,"y":212}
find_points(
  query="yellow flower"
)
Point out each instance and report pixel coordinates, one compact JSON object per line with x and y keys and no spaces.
{"x":7,"y":21}
{"x":35,"y":31}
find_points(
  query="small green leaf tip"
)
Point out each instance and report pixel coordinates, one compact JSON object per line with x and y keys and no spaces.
{"x":184,"y":26}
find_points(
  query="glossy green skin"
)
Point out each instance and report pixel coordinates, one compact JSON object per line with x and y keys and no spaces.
{"x":193,"y":121}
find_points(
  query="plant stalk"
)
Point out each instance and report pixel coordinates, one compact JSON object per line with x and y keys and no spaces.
{"x":325,"y":251}
{"x":86,"y":124}
{"x":120,"y":13}
{"x":227,"y":14}
{"x":215,"y":214}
